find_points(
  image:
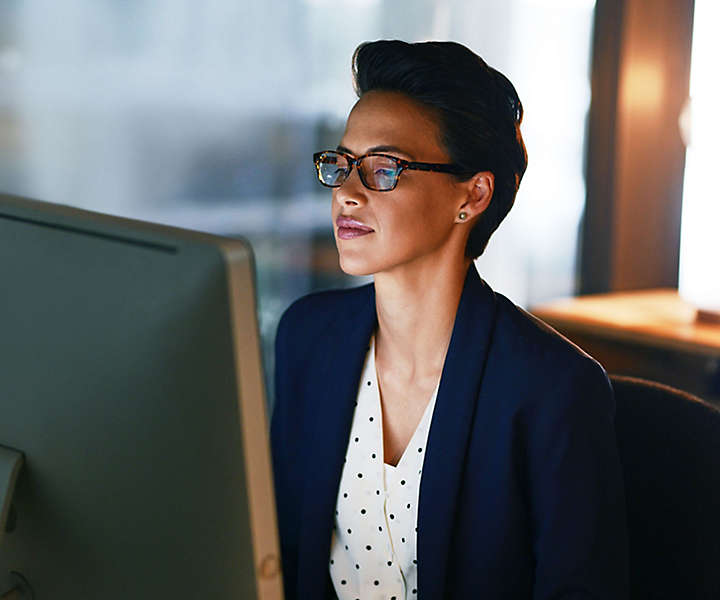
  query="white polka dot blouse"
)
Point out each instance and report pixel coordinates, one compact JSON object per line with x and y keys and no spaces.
{"x":373,"y":548}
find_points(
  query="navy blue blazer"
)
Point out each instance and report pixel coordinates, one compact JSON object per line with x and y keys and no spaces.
{"x":521,"y":493}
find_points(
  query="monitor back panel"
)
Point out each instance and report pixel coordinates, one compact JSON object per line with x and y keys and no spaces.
{"x":117,"y":382}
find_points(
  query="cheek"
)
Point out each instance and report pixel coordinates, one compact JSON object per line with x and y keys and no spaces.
{"x":416,"y":221}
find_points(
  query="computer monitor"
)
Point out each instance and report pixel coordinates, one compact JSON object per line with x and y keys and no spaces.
{"x":132,"y":412}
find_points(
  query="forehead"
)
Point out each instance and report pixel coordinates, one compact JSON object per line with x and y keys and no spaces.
{"x":381,"y":118}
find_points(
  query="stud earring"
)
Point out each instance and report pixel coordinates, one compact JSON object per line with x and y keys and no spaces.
{"x":463,"y":216}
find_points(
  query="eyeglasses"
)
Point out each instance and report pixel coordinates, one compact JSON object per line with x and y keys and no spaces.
{"x":378,"y":172}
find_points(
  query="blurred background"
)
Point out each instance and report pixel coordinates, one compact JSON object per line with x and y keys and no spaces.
{"x":206,"y":115}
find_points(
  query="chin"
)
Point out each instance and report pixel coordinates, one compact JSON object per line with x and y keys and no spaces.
{"x":357,"y":268}
{"x":356,"y":271}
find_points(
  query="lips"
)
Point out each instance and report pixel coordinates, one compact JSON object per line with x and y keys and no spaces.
{"x":353,"y":224}
{"x":345,"y":233}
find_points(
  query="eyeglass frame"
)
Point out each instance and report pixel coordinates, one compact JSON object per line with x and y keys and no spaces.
{"x":400,"y":162}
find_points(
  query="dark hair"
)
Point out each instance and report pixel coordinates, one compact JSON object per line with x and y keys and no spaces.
{"x":478,"y":108}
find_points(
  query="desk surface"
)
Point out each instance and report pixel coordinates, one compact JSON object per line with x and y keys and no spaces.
{"x":658,"y":318}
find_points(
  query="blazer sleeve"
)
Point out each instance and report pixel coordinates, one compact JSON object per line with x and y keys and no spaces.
{"x":281,"y":441}
{"x":576,"y":491}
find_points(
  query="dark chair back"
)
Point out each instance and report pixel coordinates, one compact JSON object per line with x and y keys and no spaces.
{"x":669,"y":444}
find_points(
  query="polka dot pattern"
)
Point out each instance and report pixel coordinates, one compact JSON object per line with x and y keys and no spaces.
{"x":373,"y":552}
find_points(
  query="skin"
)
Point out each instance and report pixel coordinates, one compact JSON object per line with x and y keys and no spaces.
{"x":416,"y":252}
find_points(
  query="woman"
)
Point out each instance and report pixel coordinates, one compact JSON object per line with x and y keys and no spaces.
{"x":430,"y":438}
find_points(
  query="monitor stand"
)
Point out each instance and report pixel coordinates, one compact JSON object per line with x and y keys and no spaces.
{"x":15,"y":587}
{"x":11,"y":461}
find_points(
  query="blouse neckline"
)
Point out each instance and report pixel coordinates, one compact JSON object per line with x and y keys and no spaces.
{"x":420,"y":426}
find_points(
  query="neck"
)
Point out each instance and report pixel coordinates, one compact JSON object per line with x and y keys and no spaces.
{"x":416,"y":311}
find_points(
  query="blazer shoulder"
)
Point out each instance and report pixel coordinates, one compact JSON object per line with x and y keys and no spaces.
{"x":312,"y":313}
{"x":557,"y":377}
{"x":531,"y":340}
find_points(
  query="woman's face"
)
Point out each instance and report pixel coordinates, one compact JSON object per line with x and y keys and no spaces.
{"x":419,"y":217}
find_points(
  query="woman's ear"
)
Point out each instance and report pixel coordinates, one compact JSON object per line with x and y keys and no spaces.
{"x":479,"y":191}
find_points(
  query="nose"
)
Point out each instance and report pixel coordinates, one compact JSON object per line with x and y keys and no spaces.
{"x":352,"y":191}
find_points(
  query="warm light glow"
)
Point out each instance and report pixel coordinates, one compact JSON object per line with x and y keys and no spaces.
{"x":699,"y":276}
{"x":642,"y":88}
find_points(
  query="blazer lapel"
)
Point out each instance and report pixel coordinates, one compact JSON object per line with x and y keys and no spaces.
{"x":343,"y":357}
{"x":454,"y":412}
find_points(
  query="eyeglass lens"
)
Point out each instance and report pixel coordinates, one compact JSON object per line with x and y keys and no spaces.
{"x":376,"y":172}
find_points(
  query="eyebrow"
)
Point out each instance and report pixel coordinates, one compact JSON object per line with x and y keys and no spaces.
{"x":382,"y":148}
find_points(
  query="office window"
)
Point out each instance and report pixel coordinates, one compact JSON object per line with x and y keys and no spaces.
{"x":699,"y":279}
{"x":205,"y":115}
